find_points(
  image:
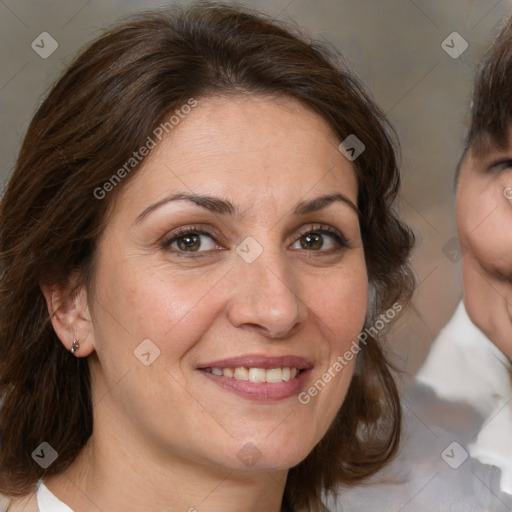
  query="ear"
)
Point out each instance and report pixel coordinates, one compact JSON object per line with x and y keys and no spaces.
{"x":71,"y":319}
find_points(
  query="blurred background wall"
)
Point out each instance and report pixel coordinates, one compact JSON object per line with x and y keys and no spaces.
{"x":395,"y":47}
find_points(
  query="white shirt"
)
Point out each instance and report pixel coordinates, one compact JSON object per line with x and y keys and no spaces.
{"x":48,"y":502}
{"x":466,"y":367}
{"x":456,"y":450}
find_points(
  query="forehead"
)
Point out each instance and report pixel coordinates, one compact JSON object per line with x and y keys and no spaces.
{"x":228,"y":126}
{"x":248,"y":149}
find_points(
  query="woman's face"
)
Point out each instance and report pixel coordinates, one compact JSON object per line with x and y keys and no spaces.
{"x":230,"y":277}
{"x":484,"y":221}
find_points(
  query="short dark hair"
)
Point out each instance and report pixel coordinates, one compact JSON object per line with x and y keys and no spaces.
{"x":491,"y":106}
{"x":109,"y":100}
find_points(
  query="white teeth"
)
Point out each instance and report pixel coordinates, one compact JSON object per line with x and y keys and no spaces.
{"x":241,"y":374}
{"x":257,"y":375}
{"x":274,"y":375}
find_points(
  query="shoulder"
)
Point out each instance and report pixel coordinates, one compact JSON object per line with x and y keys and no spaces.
{"x":433,"y":470}
{"x":18,"y":504}
{"x":459,"y":360}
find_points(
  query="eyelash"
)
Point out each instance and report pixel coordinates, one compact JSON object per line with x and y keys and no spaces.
{"x":501,"y":166}
{"x":322,"y":229}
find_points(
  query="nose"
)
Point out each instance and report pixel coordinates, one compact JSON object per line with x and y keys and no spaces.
{"x":265,"y":299}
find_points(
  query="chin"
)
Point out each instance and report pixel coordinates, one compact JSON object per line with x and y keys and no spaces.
{"x":271,"y":457}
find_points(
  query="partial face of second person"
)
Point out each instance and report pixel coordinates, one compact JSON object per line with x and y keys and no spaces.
{"x":168,"y":270}
{"x":484,"y":222}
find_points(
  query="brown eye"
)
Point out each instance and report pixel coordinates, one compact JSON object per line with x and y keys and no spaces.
{"x":190,"y":242}
{"x":323,"y":239}
{"x":312,"y":241}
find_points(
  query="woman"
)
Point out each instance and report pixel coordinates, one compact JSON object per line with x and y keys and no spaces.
{"x":198,"y":232}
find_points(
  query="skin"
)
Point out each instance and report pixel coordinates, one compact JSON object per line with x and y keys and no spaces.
{"x":484,"y":217}
{"x":165,"y":436}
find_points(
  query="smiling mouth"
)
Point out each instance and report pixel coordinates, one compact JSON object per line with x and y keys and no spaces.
{"x":257,"y":375}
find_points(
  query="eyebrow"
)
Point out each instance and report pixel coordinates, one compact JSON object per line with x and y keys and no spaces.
{"x":213,"y":204}
{"x":225,"y":207}
{"x":319,"y":203}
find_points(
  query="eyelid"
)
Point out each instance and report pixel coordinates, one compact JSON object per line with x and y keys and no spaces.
{"x":340,"y":238}
{"x":500,"y":165}
{"x":199,"y":229}
{"x":218,"y":238}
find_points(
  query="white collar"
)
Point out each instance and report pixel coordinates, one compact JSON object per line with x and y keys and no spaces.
{"x":48,"y":502}
{"x":465,"y":366}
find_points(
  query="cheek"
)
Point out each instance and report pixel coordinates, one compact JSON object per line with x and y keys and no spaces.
{"x":484,"y":223}
{"x":139,"y":302}
{"x":339,"y":302}
{"x":338,"y":309}
{"x":351,"y":296}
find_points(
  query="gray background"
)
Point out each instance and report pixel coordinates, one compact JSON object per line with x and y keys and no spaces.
{"x":395,"y":48}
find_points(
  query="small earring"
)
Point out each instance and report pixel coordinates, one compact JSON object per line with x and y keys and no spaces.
{"x":75,"y":347}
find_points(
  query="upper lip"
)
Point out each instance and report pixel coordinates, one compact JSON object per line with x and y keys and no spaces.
{"x":259,"y":361}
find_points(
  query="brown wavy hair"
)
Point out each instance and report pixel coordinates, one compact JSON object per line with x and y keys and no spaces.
{"x":106,"y":104}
